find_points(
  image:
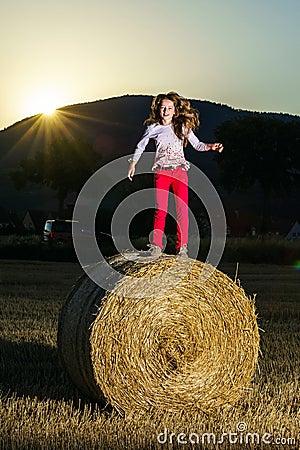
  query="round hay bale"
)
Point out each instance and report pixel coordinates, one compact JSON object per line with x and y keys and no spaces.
{"x":192,"y":346}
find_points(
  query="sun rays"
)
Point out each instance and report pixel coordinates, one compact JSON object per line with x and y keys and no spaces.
{"x":37,"y":132}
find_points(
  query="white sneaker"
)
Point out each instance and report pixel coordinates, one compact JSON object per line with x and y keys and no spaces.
{"x":183,"y":252}
{"x":154,"y":250}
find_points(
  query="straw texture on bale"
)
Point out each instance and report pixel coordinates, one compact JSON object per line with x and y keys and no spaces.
{"x":160,"y":339}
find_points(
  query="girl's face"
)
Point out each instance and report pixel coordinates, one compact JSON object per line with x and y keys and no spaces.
{"x":167,"y":111}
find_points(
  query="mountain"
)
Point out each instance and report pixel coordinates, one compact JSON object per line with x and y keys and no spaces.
{"x":113,"y":126}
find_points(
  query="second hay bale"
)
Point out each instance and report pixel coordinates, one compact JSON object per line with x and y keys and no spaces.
{"x":192,"y":346}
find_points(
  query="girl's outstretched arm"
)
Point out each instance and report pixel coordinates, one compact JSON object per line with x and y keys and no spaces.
{"x":201,"y":147}
{"x":139,"y":150}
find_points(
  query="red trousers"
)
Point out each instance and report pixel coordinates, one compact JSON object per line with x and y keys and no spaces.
{"x":178,"y":180}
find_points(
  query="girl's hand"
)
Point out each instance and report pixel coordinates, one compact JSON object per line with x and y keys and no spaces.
{"x":217,"y":147}
{"x":131,"y":170}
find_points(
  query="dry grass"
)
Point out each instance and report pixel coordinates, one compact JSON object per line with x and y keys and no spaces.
{"x":40,"y":409}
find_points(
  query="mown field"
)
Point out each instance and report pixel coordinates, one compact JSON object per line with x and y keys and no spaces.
{"x":41,"y":409}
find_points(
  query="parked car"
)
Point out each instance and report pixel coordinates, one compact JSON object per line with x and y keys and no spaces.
{"x":58,"y":231}
{"x":61,"y":231}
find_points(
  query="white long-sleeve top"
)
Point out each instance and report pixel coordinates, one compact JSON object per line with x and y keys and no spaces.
{"x":169,"y":148}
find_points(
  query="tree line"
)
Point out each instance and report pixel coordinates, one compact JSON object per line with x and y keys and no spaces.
{"x":64,"y":166}
{"x":260,"y":150}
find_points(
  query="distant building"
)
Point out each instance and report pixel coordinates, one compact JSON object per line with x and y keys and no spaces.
{"x":294,"y":232}
{"x":34,"y":219}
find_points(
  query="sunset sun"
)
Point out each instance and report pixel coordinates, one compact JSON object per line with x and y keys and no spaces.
{"x":45,"y":102}
{"x":48,"y":108}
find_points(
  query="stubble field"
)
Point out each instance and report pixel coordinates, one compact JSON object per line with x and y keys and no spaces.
{"x":40,"y":408}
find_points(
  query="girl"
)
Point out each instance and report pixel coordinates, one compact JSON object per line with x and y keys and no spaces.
{"x":171,"y":124}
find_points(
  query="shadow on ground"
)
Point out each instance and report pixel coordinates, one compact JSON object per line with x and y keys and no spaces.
{"x":34,"y":370}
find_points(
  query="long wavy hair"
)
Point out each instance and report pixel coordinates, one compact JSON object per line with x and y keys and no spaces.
{"x":184,"y":120}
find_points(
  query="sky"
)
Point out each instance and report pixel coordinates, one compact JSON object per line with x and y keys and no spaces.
{"x":61,"y":52}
